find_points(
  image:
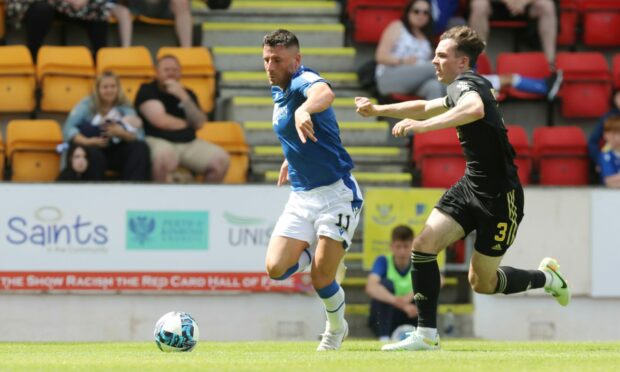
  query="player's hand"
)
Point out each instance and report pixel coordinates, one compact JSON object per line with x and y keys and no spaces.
{"x":283,"y":177}
{"x":365,"y":107}
{"x":175,"y":88}
{"x":304,"y":125}
{"x":402,"y":127}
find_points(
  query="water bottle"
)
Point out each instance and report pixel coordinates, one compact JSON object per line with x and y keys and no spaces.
{"x":448,"y":323}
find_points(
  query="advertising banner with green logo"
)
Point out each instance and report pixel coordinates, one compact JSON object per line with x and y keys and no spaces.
{"x":168,"y":230}
{"x":386,"y":208}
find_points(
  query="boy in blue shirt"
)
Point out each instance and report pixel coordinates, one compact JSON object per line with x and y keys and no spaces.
{"x":609,"y":159}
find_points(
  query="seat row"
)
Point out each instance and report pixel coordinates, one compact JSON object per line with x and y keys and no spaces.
{"x":30,"y":150}
{"x":557,"y":155}
{"x":64,"y":75}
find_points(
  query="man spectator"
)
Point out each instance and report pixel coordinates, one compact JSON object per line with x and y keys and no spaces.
{"x":389,"y":287}
{"x":544,"y":11}
{"x":171,"y":116}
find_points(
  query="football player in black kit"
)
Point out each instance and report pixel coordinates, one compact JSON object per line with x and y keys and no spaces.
{"x":488,"y":198}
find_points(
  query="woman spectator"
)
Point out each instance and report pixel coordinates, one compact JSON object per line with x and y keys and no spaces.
{"x":405,"y":52}
{"x":108,"y":127}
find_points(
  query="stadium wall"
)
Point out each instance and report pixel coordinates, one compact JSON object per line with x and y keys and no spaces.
{"x":59,"y":290}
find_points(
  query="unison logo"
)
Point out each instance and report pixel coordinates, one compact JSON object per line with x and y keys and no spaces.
{"x":248,"y":231}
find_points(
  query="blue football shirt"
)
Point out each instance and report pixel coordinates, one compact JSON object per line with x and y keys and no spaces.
{"x":609,"y":162}
{"x":311,"y":164}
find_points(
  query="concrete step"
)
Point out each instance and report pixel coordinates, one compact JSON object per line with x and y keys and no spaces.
{"x":332,"y":58}
{"x":278,"y":11}
{"x":351,"y":133}
{"x":258,"y":79}
{"x":244,"y":108}
{"x":385,"y":179}
{"x":246,"y":33}
{"x":360,"y":154}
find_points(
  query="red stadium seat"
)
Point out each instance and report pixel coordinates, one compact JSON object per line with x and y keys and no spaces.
{"x":601,"y":23}
{"x":353,"y":5}
{"x":483,"y":65}
{"x":530,"y":64}
{"x":369,"y":21}
{"x":519,"y":141}
{"x":586,"y":90}
{"x":615,"y":70}
{"x":561,"y":155}
{"x":569,"y":17}
{"x":439,"y":158}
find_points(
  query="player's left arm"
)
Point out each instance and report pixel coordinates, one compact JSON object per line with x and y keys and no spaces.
{"x":319,"y":98}
{"x":468,"y":109}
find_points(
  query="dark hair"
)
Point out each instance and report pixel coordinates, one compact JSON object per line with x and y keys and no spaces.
{"x":427,"y":30}
{"x":281,"y":37}
{"x":612,"y":124}
{"x":467,"y":42}
{"x":68,"y":173}
{"x":402,"y":233}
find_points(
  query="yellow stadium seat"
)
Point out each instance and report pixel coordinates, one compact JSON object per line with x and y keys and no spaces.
{"x":17,"y":79}
{"x":155,"y":21}
{"x":2,"y":157}
{"x":66,"y":75}
{"x":197,"y":72}
{"x":229,"y":136}
{"x":133,"y":65}
{"x":31,"y":149}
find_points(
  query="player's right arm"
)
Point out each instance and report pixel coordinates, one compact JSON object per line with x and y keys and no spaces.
{"x":418,"y":109}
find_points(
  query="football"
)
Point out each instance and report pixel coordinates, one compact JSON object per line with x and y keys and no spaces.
{"x":176,"y":331}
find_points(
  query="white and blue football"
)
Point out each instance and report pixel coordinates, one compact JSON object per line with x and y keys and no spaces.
{"x":176,"y":331}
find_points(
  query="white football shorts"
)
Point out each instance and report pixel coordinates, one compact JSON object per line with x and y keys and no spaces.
{"x":332,"y":211}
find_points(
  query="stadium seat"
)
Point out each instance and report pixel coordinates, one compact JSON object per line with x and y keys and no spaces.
{"x":369,"y":21}
{"x":530,"y":64}
{"x":601,"y":23}
{"x":198,"y":73}
{"x":17,"y":79}
{"x":484,"y":67}
{"x":586,"y":90}
{"x":569,"y":18}
{"x":353,"y":5}
{"x":615,"y":70}
{"x":519,"y":141}
{"x":229,"y":136}
{"x":31,"y":149}
{"x":66,"y":75}
{"x":133,"y":65}
{"x":439,"y":158}
{"x":561,"y":156}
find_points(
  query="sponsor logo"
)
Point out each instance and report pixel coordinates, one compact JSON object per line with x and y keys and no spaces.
{"x":383,"y":214}
{"x":246,"y":231}
{"x":167,"y":230}
{"x":50,"y":228}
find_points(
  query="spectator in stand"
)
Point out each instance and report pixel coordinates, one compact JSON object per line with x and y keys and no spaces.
{"x":389,"y":287}
{"x":171,"y":117}
{"x":404,"y":54}
{"x":120,"y":11}
{"x":544,"y":11}
{"x":106,"y":125}
{"x":609,"y":159}
{"x":596,"y":140}
{"x":38,"y":15}
{"x":76,"y":165}
{"x":179,"y":10}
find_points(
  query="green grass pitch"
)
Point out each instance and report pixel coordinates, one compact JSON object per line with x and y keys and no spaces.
{"x":356,"y":355}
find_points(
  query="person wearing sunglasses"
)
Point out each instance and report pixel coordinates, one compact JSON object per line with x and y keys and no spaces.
{"x":404,"y":54}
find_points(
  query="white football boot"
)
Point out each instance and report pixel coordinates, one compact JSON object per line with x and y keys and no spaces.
{"x":332,"y":341}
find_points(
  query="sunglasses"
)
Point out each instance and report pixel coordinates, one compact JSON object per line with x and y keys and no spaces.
{"x":420,"y":11}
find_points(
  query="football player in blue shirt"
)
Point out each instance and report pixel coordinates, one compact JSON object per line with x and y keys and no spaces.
{"x":325,"y":203}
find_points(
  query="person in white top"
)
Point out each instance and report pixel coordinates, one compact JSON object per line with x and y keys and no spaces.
{"x":404,"y":54}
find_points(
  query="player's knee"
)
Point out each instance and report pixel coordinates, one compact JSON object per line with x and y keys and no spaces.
{"x":424,"y":243}
{"x":481,"y":286}
{"x":320,"y":278}
{"x":275,"y":269}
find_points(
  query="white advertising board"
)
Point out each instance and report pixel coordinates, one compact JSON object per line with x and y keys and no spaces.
{"x":138,"y":237}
